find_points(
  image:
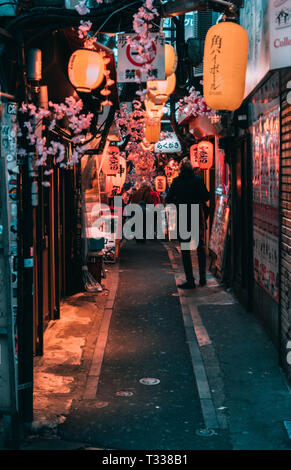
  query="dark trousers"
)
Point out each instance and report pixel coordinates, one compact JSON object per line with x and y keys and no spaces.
{"x":187,"y":262}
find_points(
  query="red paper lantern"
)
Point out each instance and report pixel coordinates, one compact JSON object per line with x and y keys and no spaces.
{"x":194,"y":156}
{"x":205,"y":154}
{"x":160,"y":184}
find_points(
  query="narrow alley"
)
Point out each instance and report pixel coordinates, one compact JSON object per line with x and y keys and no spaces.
{"x":217,"y":380}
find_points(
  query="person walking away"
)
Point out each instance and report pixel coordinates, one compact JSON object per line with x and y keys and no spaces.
{"x":143,"y":196}
{"x":189,"y":188}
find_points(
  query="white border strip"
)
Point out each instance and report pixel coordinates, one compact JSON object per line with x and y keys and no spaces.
{"x":207,"y":405}
{"x":98,"y":356}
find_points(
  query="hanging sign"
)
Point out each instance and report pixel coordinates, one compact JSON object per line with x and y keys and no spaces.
{"x":169,"y":145}
{"x":111,"y":163}
{"x":205,"y":154}
{"x":160,"y":183}
{"x":114,"y":183}
{"x":194,"y":155}
{"x":130,"y":63}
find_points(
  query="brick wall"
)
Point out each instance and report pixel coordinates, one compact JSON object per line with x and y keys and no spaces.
{"x":285,"y":207}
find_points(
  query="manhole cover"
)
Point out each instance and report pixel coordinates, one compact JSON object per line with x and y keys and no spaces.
{"x":101,"y":404}
{"x":124,"y":394}
{"x":149,"y":381}
{"x":205,"y":432}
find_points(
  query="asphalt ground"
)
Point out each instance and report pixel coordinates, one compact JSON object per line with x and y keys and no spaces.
{"x":146,"y":340}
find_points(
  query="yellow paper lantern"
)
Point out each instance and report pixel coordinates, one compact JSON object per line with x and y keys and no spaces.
{"x":205,"y":154}
{"x":152,"y":130}
{"x":160,"y":90}
{"x":170,"y":60}
{"x":225,"y":64}
{"x":86,"y":70}
{"x":161,"y":183}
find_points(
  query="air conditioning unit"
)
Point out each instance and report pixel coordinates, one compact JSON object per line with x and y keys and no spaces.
{"x":8,"y":8}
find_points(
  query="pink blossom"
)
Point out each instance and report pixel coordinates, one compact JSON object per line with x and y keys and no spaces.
{"x":81,"y":8}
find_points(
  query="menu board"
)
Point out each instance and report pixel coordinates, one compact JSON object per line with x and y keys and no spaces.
{"x":266,"y":155}
{"x":219,"y":229}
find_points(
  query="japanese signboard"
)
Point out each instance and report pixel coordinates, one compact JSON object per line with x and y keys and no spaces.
{"x":266,"y":156}
{"x":170,"y":144}
{"x":219,"y":230}
{"x":280,"y":33}
{"x":268,"y":23}
{"x":8,"y":258}
{"x":130,"y":62}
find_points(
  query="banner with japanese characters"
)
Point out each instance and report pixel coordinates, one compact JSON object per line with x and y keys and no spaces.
{"x":266,"y":156}
{"x":170,"y":144}
{"x":130,"y":65}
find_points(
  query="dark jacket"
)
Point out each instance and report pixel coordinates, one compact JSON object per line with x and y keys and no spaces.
{"x":188,"y":188}
{"x":142,"y":194}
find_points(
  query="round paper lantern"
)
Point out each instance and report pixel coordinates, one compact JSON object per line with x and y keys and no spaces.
{"x":161,"y":183}
{"x":205,"y":154}
{"x":170,"y":60}
{"x":86,"y":70}
{"x":153,"y":130}
{"x":225,"y":65}
{"x":194,"y":155}
{"x":160,"y":90}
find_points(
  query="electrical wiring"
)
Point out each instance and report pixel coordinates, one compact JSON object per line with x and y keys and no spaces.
{"x":113,"y":13}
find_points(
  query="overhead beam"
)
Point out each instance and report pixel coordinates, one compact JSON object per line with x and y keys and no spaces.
{"x":180,"y":7}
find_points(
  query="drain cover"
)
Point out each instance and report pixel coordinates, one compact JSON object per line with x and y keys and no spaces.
{"x":205,"y":432}
{"x":101,"y":404}
{"x":124,"y":394}
{"x":149,"y":381}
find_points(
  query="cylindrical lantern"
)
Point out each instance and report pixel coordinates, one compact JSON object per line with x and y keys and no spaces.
{"x":112,"y":161}
{"x":205,"y":154}
{"x":160,"y":90}
{"x":152,"y":130}
{"x":225,"y":65}
{"x":170,"y":60}
{"x":194,"y":155}
{"x":116,"y":182}
{"x":86,"y":70}
{"x":161,"y":183}
{"x":153,"y":109}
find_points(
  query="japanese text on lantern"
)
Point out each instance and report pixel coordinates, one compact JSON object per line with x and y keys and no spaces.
{"x":215,"y":51}
{"x":114,"y":161}
{"x":203,"y":155}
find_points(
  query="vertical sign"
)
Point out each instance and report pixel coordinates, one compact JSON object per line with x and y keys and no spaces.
{"x":280,"y":33}
{"x":8,"y":257}
{"x":266,"y":157}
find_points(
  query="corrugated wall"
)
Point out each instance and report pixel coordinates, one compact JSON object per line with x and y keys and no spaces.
{"x":285,"y":288}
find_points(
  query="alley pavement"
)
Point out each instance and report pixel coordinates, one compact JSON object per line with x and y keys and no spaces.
{"x":173,"y":370}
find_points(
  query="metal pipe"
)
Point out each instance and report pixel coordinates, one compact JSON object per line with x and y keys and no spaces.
{"x":180,"y":7}
{"x":6,"y":95}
